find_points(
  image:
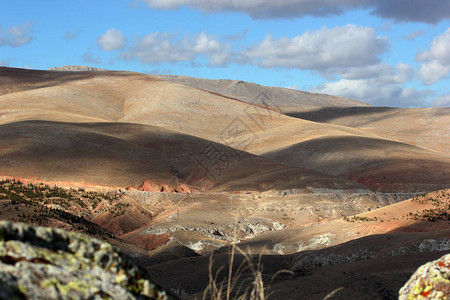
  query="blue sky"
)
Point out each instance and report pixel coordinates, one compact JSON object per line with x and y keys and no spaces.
{"x":386,"y":53}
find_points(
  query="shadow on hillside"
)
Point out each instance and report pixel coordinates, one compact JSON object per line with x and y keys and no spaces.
{"x":24,"y":79}
{"x":116,"y":152}
{"x":384,"y":162}
{"x":345,"y":150}
{"x":371,"y":267}
{"x":424,"y":225}
{"x":327,"y":114}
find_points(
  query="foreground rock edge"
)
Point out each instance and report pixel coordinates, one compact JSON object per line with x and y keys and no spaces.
{"x":48,"y":263}
{"x":430,"y":281}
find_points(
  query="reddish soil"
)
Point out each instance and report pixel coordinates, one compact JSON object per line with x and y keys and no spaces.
{"x":157,"y":186}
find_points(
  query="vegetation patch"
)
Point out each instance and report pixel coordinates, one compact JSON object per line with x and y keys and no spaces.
{"x":40,"y":204}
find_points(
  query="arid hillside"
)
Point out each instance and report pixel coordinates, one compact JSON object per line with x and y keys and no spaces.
{"x":424,"y":127}
{"x":316,"y":194}
{"x":121,"y":128}
{"x":280,"y":99}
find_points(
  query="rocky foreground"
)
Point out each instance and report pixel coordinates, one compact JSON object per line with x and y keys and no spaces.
{"x":47,"y":263}
{"x":430,"y":281}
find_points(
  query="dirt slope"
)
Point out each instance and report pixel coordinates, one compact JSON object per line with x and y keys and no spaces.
{"x":367,"y":257}
{"x":116,"y":98}
{"x":124,"y":155}
{"x":425,"y":127}
{"x":281,"y":99}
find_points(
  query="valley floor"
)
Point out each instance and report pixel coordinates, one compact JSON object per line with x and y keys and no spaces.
{"x":363,"y":245}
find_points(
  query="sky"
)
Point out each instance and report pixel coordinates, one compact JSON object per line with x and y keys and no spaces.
{"x":382,"y":52}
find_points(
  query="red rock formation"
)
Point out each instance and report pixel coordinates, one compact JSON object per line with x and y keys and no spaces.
{"x":156,"y":186}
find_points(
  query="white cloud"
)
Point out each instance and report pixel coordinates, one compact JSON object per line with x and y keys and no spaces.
{"x":380,"y":85}
{"x":433,"y":71}
{"x":163,"y":47}
{"x":441,"y":101}
{"x":436,"y":60}
{"x":112,"y":39}
{"x":16,"y":36}
{"x":430,"y":11}
{"x":439,"y":49}
{"x":346,"y":46}
{"x":383,"y":72}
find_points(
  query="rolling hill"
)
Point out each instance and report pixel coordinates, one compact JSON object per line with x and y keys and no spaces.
{"x":64,"y":123}
{"x":170,"y":168}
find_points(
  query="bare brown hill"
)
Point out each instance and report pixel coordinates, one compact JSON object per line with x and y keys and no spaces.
{"x":384,"y":165}
{"x":282,"y":99}
{"x":123,"y":154}
{"x":293,"y":153}
{"x":425,"y":127}
{"x":217,"y":170}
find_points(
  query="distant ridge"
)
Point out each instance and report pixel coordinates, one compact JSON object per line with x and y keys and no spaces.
{"x":284,"y":99}
{"x":76,"y":68}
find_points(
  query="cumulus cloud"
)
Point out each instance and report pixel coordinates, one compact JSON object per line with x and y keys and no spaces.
{"x":433,"y":71}
{"x":441,"y":101}
{"x":16,"y":36}
{"x":159,"y":47}
{"x":262,"y":9}
{"x":383,"y":72}
{"x":380,"y":85}
{"x":112,"y":39}
{"x":436,"y":60}
{"x":430,"y":11}
{"x":346,"y":46}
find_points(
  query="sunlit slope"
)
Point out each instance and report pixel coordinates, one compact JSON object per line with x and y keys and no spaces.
{"x":384,"y":165}
{"x":125,"y":97}
{"x":124,"y":155}
{"x":425,"y":127}
{"x":409,"y":216}
{"x":281,"y":99}
{"x":372,"y":157}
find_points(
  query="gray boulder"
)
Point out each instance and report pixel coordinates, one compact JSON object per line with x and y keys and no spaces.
{"x":48,"y":263}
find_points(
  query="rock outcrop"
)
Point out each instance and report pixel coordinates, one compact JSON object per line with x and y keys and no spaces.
{"x":47,"y":263}
{"x":76,"y":68}
{"x":158,"y":186}
{"x":430,"y":281}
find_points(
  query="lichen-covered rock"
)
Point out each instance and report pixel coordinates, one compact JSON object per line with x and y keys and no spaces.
{"x":47,"y":263}
{"x":430,"y":281}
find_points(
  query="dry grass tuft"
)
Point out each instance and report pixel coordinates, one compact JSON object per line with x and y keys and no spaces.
{"x":245,"y":282}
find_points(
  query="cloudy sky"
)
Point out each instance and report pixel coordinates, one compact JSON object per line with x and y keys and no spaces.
{"x":383,"y":52}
